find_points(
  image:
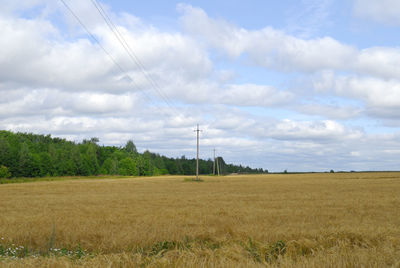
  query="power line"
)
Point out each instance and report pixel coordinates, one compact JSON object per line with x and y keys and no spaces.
{"x":132,"y":54}
{"x":137,"y":61}
{"x":107,"y":53}
{"x":92,"y":36}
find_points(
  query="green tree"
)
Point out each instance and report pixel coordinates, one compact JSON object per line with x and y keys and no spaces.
{"x":25,"y":162}
{"x":77,"y":160}
{"x":9,"y":151}
{"x":5,"y":152}
{"x":4,"y":172}
{"x":148,"y":166}
{"x":27,"y":154}
{"x":130,"y":148}
{"x":127,"y":167}
{"x":46,"y":165}
{"x":35,"y":165}
{"x":54,"y":160}
{"x":90,"y":163}
{"x":94,"y":140}
{"x":110,"y":166}
{"x":172,"y":166}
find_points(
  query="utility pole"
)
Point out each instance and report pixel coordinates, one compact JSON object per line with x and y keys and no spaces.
{"x":197,"y":160}
{"x":214,"y":163}
{"x":217,"y":166}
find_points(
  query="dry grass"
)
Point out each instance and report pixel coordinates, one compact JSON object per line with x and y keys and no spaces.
{"x":304,"y":220}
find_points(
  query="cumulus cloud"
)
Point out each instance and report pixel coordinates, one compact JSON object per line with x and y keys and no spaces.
{"x":275,"y":49}
{"x":64,"y":84}
{"x":211,"y":92}
{"x":328,"y":149}
{"x":254,"y":95}
{"x":262,"y":128}
{"x":324,"y":130}
{"x":331,"y":111}
{"x":55,"y":79}
{"x":381,"y":96}
{"x":267,"y":47}
{"x":382,"y":62}
{"x":32,"y":55}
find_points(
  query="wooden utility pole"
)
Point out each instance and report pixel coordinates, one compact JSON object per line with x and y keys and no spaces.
{"x":214,"y":163}
{"x":197,"y":160}
{"x":217,"y":166}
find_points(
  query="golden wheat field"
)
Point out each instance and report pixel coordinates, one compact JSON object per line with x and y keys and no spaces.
{"x":287,"y":220}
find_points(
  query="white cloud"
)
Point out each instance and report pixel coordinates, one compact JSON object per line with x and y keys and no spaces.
{"x":318,"y":130}
{"x":264,"y":128}
{"x":379,"y":61}
{"x":253,"y":95}
{"x":54,"y":79}
{"x":32,"y":57}
{"x":52,"y":102}
{"x":384,"y":11}
{"x":331,"y":111}
{"x":9,"y":6}
{"x":275,"y":49}
{"x":267,"y":47}
{"x":32,"y":49}
{"x":381,"y":97}
{"x":210,"y":92}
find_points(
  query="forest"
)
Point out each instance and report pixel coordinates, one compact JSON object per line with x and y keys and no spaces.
{"x":33,"y":155}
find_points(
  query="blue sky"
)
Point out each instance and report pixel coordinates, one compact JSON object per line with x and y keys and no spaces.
{"x":299,"y":85}
{"x":320,"y":18}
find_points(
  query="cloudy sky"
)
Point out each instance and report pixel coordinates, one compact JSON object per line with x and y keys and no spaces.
{"x":308,"y":85}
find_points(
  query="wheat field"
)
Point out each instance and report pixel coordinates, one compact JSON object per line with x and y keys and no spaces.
{"x":274,"y":220}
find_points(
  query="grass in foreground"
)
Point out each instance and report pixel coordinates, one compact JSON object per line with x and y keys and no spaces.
{"x":303,"y":220}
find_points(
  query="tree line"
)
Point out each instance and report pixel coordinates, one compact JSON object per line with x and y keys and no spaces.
{"x":32,"y":155}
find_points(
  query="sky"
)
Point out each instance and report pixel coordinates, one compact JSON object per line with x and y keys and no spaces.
{"x":296,"y":85}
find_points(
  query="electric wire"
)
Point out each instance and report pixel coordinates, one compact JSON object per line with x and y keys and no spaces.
{"x":133,"y":55}
{"x":107,"y":53}
{"x":129,"y":50}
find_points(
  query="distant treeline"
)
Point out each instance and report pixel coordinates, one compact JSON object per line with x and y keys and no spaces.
{"x":31,"y":155}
